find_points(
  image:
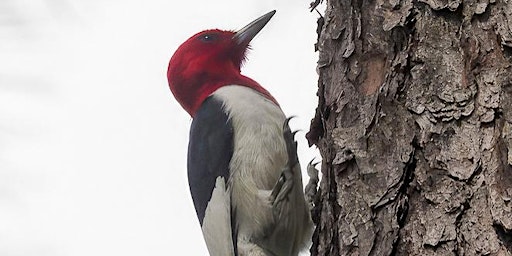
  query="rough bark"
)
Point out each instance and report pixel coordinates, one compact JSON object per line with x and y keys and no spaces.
{"x":414,"y":125}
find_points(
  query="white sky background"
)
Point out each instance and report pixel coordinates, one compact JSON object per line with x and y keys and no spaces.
{"x":93,"y":145}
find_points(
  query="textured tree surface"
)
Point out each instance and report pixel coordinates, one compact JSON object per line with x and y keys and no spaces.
{"x":414,"y":124}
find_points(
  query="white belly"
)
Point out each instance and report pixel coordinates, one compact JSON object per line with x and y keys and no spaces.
{"x":258,"y":157}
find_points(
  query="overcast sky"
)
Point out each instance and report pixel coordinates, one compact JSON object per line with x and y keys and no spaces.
{"x":93,"y":145}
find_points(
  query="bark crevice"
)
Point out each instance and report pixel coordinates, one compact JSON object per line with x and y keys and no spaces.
{"x":504,"y":236}
{"x":415,"y":127}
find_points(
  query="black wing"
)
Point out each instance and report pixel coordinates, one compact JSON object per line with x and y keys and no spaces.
{"x":209,"y":152}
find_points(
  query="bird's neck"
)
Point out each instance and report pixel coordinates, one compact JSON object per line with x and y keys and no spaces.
{"x":196,"y":92}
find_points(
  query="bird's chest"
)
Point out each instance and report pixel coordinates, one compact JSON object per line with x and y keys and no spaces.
{"x":259,"y":151}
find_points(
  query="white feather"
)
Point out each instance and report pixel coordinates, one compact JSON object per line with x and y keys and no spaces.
{"x":258,"y":159}
{"x":217,"y":222}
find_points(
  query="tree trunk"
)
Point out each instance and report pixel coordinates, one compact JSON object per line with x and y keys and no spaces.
{"x":414,"y":125}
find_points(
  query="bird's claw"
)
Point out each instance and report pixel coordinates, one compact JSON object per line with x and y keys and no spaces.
{"x":291,"y":144}
{"x":311,"y":188}
{"x":282,"y":187}
{"x":285,"y":182}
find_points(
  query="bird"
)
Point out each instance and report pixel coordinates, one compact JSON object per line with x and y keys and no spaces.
{"x":243,"y":171}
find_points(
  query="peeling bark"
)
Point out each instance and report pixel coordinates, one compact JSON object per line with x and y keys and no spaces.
{"x":414,"y":125}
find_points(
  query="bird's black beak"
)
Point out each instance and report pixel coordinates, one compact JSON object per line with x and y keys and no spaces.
{"x":247,"y":33}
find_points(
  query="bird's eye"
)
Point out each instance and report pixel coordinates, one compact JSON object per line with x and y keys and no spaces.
{"x":207,"y":38}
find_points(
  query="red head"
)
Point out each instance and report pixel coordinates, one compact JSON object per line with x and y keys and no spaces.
{"x":209,"y":60}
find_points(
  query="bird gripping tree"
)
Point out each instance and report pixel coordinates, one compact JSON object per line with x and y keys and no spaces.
{"x":243,"y":170}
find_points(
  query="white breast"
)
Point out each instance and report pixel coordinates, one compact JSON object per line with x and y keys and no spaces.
{"x":259,"y":155}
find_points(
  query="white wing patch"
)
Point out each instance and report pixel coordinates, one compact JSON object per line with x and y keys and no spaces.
{"x":217,"y":221}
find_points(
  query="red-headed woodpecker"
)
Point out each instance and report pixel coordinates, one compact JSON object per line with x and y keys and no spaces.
{"x":243,"y":171}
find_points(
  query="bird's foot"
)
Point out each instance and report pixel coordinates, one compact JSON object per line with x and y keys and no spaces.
{"x":285,"y":183}
{"x":312,"y":186}
{"x":282,"y":187}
